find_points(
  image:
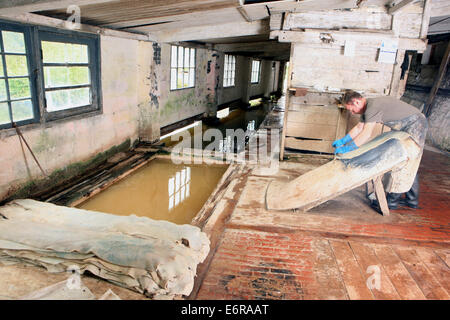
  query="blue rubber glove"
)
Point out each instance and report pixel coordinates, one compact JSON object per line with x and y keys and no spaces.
{"x":341,"y":142}
{"x":347,"y":148}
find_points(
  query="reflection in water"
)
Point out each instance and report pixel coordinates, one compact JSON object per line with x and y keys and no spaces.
{"x":179,"y":187}
{"x":225,"y":145}
{"x":251,"y":126}
{"x":159,"y":190}
{"x":231,"y":126}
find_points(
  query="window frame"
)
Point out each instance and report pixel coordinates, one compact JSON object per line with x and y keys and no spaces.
{"x":258,"y":72}
{"x":32,"y":74}
{"x":94,"y":64}
{"x":233,"y":71}
{"x":170,"y":66}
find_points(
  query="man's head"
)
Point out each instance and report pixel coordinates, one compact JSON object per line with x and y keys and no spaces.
{"x":354,"y":102}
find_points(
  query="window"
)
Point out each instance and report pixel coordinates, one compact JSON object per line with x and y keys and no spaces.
{"x":17,"y":98}
{"x":42,"y":68}
{"x":256,"y":67}
{"x":229,"y":71}
{"x":70,"y":69}
{"x":182,"y":68}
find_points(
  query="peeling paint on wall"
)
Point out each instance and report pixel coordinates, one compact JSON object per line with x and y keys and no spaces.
{"x":156,"y":53}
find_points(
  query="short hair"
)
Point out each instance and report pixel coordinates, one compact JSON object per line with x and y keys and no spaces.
{"x":349,"y":95}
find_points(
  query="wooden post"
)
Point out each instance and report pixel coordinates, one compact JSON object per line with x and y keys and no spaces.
{"x":381,"y":196}
{"x":437,"y":82}
{"x":425,"y":19}
{"x":286,"y":107}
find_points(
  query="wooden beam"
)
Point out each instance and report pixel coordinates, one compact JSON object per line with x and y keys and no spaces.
{"x":13,"y":7}
{"x":214,"y":31}
{"x":425,"y":19}
{"x":381,"y":195}
{"x":276,"y":21}
{"x":338,"y":19}
{"x":287,"y":104}
{"x":440,"y":8}
{"x":267,"y":46}
{"x":399,"y":5}
{"x":244,"y":13}
{"x":296,"y":6}
{"x":310,"y":5}
{"x":207,"y":16}
{"x":334,"y":39}
{"x":36,"y":19}
{"x":437,"y":81}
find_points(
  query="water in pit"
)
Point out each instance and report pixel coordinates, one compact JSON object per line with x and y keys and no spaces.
{"x":247,"y":120}
{"x":160,"y":190}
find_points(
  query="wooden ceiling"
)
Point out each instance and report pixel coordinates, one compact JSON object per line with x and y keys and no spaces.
{"x":126,"y":13}
{"x":207,"y":21}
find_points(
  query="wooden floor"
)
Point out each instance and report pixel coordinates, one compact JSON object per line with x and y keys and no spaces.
{"x":340,"y":250}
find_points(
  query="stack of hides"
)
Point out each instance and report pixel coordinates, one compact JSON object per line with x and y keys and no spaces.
{"x":148,"y":256}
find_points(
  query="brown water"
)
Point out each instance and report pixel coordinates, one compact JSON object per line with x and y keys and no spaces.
{"x":248,"y":120}
{"x":160,"y":190}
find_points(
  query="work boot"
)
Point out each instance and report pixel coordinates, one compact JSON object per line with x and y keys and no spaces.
{"x":412,"y":196}
{"x":393,"y":200}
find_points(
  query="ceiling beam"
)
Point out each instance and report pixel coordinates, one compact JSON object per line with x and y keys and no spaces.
{"x":306,"y":5}
{"x":267,"y":46}
{"x":440,"y":8}
{"x":208,"y":17}
{"x":11,"y":7}
{"x":32,"y":18}
{"x":213,"y":31}
{"x":336,"y":39}
{"x":395,"y":6}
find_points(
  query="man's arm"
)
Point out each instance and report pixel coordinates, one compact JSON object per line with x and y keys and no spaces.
{"x":362,"y":132}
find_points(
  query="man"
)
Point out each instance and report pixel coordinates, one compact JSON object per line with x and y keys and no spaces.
{"x":393,"y":113}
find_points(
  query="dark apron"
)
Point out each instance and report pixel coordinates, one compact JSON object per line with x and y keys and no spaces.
{"x":416,"y":125}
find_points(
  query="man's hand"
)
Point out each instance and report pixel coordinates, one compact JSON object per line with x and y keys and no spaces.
{"x":347,"y":148}
{"x":341,"y":142}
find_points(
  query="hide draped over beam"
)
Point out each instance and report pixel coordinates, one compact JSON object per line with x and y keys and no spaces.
{"x":394,"y":152}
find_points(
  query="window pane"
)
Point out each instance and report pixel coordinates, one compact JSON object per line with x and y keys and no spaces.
{"x":180,"y":56}
{"x":174,"y":57}
{"x":192,"y":64}
{"x":186,"y":77}
{"x":61,"y":52}
{"x":186,"y":57}
{"x":67,"y":98}
{"x":1,"y":67}
{"x":173,"y":78}
{"x":16,"y":65}
{"x":65,"y":76}
{"x":13,"y":42}
{"x":22,"y":110}
{"x":3,"y":95}
{"x":4,"y":113}
{"x":19,"y":88}
{"x":180,"y":78}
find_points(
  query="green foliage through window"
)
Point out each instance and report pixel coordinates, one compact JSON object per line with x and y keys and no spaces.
{"x":15,"y":92}
{"x":182,"y":68}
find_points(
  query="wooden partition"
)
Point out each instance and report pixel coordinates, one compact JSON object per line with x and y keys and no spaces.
{"x":312,"y":126}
